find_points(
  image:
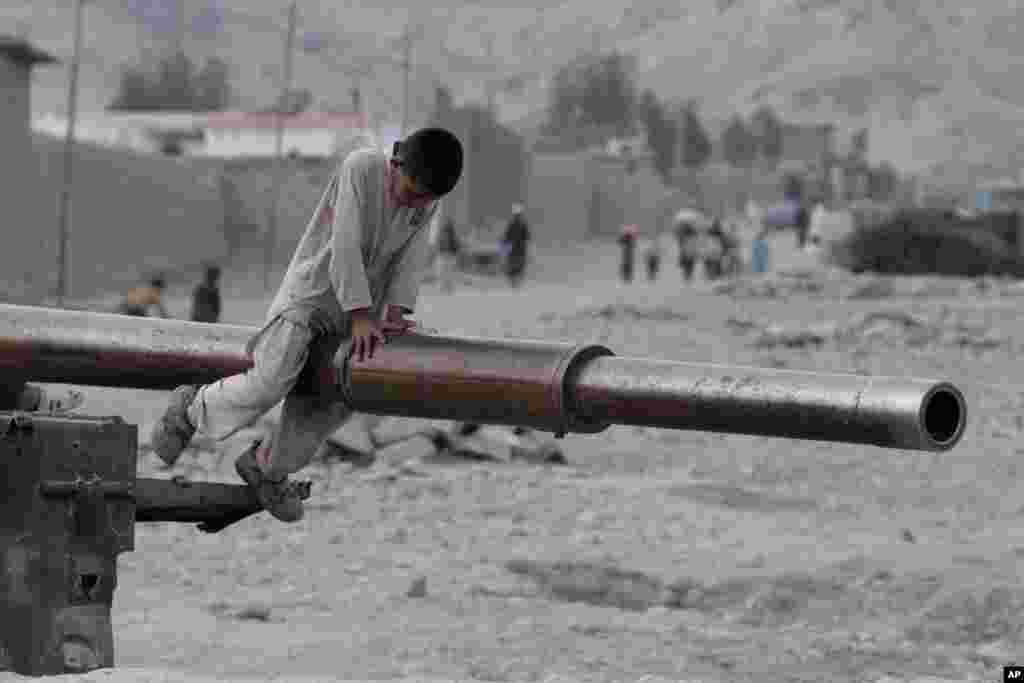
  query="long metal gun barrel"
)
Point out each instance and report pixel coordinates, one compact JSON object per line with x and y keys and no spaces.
{"x":550,"y":386}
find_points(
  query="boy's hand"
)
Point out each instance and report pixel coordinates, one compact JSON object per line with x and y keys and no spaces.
{"x":367,"y":334}
{"x":396,"y":316}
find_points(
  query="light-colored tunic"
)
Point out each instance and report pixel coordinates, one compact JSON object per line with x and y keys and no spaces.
{"x":358,"y":251}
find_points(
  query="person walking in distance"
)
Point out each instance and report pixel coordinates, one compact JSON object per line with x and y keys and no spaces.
{"x":627,"y":241}
{"x":352,"y":280}
{"x":516,"y":240}
{"x":447,"y":254}
{"x":206,"y":300}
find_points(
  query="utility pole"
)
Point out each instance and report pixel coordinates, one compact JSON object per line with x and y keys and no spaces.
{"x":179,"y":29}
{"x":490,"y":82}
{"x":279,"y":119}
{"x":406,"y":68}
{"x":69,"y":142}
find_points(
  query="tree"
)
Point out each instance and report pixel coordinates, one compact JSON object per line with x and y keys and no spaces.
{"x":767,"y":129}
{"x":739,"y":146}
{"x":175,"y":85}
{"x":444,"y":105}
{"x":859,"y":144}
{"x":563,"y":108}
{"x":694,"y":143}
{"x":596,"y":91}
{"x":661,"y":134}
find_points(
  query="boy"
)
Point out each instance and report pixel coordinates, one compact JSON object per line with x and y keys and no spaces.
{"x":354,"y":277}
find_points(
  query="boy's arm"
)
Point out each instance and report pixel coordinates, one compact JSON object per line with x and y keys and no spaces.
{"x":347,"y":271}
{"x":405,"y":285}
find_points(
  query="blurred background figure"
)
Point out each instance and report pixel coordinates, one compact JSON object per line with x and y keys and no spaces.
{"x":142,"y":299}
{"x":627,"y":240}
{"x":515,"y":242}
{"x":650,"y":248}
{"x":448,"y":248}
{"x":206,"y":300}
{"x":759,"y":252}
{"x":723,"y":258}
{"x":687,"y":226}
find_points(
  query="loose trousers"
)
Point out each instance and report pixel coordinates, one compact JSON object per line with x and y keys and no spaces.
{"x":292,"y":363}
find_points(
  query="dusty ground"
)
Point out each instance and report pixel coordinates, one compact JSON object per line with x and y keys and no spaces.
{"x":679,"y":556}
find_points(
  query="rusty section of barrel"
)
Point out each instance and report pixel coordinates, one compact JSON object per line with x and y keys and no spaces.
{"x":101,"y":349}
{"x":521,"y":383}
{"x":550,"y":386}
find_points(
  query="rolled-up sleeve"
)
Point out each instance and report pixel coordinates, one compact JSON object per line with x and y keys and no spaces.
{"x":347,"y":270}
{"x":405,"y":284}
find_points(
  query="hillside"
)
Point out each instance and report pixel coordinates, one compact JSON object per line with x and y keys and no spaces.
{"x":932,"y":80}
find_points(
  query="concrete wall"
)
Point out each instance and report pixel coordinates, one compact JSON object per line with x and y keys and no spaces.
{"x":557,"y":196}
{"x":130,"y":215}
{"x":23,"y":245}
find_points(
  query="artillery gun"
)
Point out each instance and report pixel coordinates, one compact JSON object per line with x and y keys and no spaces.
{"x":72,"y":496}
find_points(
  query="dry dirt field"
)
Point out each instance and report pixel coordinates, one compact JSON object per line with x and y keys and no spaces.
{"x":655,"y":555}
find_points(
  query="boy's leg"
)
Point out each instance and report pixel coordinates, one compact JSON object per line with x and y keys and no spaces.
{"x":222,"y":408}
{"x":311,"y":413}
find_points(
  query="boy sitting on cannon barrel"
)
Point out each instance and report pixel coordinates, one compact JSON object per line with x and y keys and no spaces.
{"x":354,"y":277}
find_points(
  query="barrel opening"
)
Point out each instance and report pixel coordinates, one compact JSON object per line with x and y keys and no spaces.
{"x":944,"y":416}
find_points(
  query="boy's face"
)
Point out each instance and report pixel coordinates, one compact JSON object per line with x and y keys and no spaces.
{"x":408,"y":192}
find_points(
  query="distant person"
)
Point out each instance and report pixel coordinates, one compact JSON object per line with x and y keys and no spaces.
{"x":759,"y":252}
{"x":515,"y":241}
{"x":206,"y":301}
{"x":140,"y":300}
{"x":651,"y":251}
{"x":353,"y":279}
{"x":448,"y":248}
{"x":731,"y":259}
{"x":801,"y":216}
{"x":627,"y":241}
{"x":713,"y":252}
{"x":688,"y":238}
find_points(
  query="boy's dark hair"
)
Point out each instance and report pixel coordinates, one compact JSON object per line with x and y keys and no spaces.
{"x":158,"y":282}
{"x":212,"y":271}
{"x":433,"y":158}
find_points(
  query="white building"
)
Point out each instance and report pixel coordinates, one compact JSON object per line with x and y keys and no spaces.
{"x":227,"y":135}
{"x":310,"y":134}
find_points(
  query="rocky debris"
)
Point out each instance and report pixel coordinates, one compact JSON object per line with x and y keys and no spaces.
{"x":997,"y":653}
{"x":886,"y":327}
{"x":974,"y":617}
{"x":752,"y":601}
{"x":880,"y":288}
{"x":773,"y":287}
{"x":776,"y":336}
{"x":418,"y":588}
{"x":844,"y":285}
{"x":593,"y":584}
{"x":736,"y":497}
{"x":248,"y":612}
{"x":422,"y":441}
{"x":621,"y":311}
